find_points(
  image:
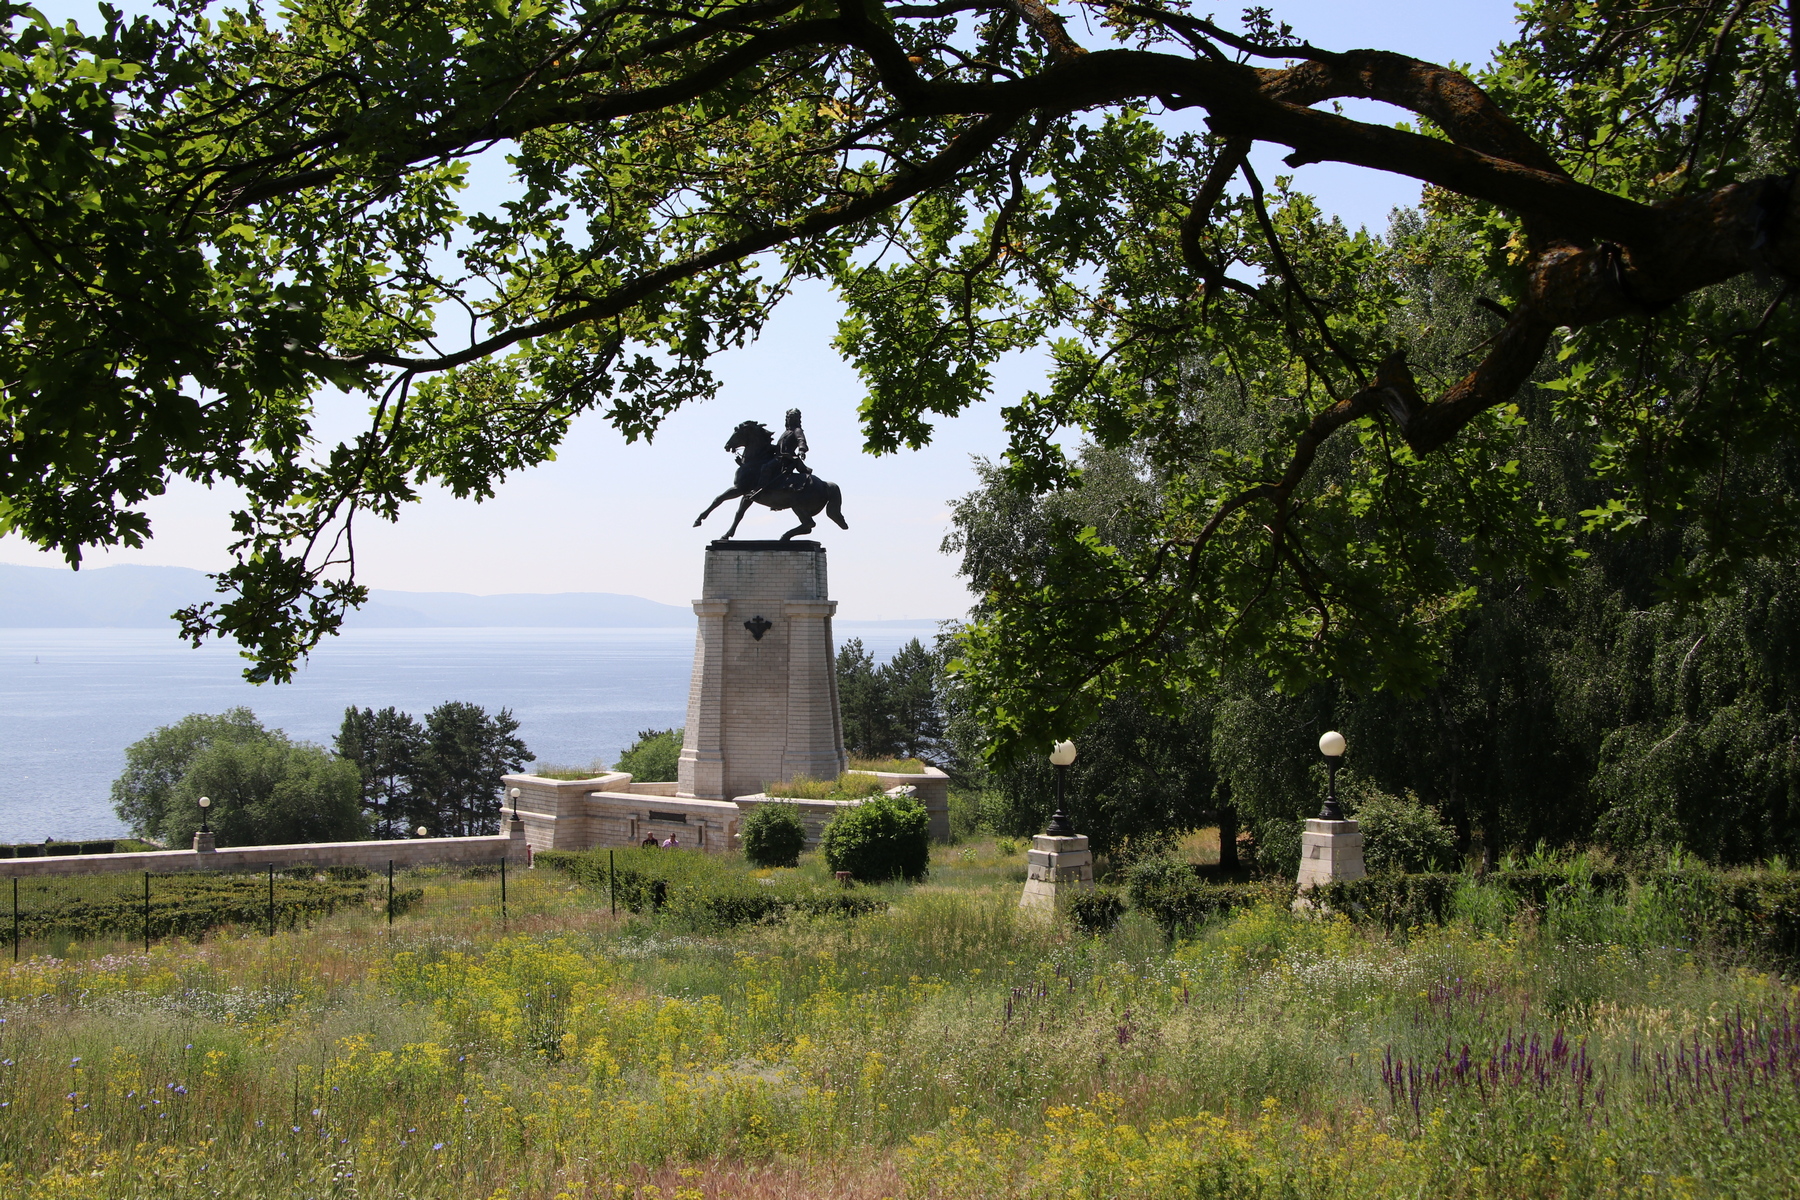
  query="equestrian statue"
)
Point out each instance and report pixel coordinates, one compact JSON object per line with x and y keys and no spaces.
{"x":775,"y":474}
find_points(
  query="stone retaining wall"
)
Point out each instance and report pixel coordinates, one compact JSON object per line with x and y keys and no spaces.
{"x":611,"y":810}
{"x":408,"y":852}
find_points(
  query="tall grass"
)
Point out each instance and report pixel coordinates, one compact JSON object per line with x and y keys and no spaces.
{"x":944,"y":1046}
{"x":593,"y":770}
{"x":848,"y":786}
{"x":902,"y":766}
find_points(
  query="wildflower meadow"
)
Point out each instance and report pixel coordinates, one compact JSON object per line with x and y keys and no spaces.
{"x":935,"y":1043}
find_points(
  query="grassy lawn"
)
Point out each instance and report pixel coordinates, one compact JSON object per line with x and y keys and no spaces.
{"x":944,"y":1047}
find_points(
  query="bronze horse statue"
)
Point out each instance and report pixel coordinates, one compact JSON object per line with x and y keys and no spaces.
{"x":807,"y":495}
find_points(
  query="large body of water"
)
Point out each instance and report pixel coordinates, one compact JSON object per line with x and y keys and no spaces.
{"x":71,"y":700}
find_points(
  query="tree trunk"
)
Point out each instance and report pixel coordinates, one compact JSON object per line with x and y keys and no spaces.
{"x":1228,"y":835}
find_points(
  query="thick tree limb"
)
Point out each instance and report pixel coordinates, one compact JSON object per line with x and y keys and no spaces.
{"x":960,"y":153}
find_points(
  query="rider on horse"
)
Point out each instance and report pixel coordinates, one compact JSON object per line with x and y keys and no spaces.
{"x":774,"y":474}
{"x":788,"y":468}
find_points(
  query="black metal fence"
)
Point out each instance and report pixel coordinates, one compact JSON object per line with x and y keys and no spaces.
{"x":60,"y":909}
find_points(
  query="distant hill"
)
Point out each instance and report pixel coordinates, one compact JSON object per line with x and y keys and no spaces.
{"x":143,"y":597}
{"x":135,"y":597}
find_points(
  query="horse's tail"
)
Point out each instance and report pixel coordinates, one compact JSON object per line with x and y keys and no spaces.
{"x":834,"y":506}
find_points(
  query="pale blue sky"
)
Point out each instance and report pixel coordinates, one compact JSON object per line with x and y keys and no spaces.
{"x":611,"y":517}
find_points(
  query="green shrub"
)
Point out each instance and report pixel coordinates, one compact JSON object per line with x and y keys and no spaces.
{"x":1179,"y":901}
{"x":1094,"y":910}
{"x":654,"y":758}
{"x":884,"y":837}
{"x":774,"y":835}
{"x":967,"y":814}
{"x":1277,"y":844}
{"x":1401,"y":834}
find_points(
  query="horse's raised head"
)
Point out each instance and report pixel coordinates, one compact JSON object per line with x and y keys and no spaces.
{"x":750,"y":433}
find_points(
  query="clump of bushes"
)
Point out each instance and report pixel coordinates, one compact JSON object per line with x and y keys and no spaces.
{"x":774,"y":835}
{"x":1401,"y":834}
{"x":1094,"y":910}
{"x":885,"y":837}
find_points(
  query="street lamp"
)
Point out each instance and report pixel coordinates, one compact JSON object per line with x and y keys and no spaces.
{"x":1061,"y":756}
{"x":421,"y":831}
{"x":205,"y":803}
{"x":1332,"y":747}
{"x":514,"y":793}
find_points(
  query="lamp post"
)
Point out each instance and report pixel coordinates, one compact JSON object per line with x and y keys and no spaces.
{"x":420,"y":831}
{"x":205,"y":804}
{"x":1332,"y":747}
{"x":1062,"y":755}
{"x":513,"y":794}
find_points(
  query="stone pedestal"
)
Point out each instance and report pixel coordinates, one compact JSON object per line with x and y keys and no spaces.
{"x":762,"y":701}
{"x":205,"y":843}
{"x":1330,"y":852}
{"x":1054,"y":867}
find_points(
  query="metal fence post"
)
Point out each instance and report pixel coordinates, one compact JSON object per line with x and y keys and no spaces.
{"x":390,"y":895}
{"x":146,"y":912}
{"x":271,"y":899}
{"x":15,"y":918}
{"x":612,"y":887}
{"x":503,"y":893}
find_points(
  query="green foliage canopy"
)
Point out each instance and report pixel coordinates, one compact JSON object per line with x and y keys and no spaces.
{"x":208,"y":220}
{"x":154,"y":765}
{"x":654,"y":758}
{"x":892,"y":710}
{"x":268,"y":791}
{"x":264,"y":788}
{"x":385,"y":747}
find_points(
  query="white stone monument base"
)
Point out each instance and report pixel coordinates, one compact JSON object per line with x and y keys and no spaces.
{"x":1330,"y":852}
{"x":1055,"y":866}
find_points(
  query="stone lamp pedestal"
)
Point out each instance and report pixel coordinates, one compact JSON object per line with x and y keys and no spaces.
{"x":1056,"y":866}
{"x":206,"y":843}
{"x":1330,"y":852}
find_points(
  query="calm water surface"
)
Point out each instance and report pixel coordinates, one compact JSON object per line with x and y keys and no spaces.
{"x":71,"y":700}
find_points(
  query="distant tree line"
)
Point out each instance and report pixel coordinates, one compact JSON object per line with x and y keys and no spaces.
{"x":388,"y":775}
{"x":892,"y":710}
{"x":443,"y":774}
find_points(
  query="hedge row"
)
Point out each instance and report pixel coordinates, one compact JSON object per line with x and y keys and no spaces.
{"x":188,"y":906}
{"x":1181,"y":903}
{"x":1755,"y":912}
{"x":698,"y":889}
{"x":54,"y":849}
